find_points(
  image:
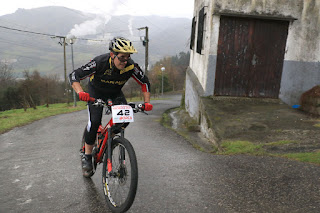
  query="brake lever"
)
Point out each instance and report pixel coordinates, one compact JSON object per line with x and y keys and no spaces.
{"x":141,"y":110}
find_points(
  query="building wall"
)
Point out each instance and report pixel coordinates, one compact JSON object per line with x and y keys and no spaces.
{"x":192,"y":98}
{"x":301,"y":68}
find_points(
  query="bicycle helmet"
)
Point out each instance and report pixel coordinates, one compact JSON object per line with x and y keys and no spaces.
{"x":121,"y":45}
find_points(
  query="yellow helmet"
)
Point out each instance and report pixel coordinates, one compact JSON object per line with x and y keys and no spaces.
{"x":121,"y":45}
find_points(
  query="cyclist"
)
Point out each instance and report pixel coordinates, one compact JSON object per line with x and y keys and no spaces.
{"x":108,"y":73}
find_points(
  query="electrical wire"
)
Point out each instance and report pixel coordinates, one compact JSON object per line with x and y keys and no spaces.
{"x":56,"y":36}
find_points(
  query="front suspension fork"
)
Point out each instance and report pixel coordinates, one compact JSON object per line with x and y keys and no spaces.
{"x":122,"y":151}
{"x":109,"y":160}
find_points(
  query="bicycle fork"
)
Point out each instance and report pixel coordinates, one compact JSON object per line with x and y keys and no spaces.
{"x":109,"y":160}
{"x":122,"y":150}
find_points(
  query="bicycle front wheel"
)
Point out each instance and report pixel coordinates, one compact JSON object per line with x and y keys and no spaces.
{"x":120,"y":185}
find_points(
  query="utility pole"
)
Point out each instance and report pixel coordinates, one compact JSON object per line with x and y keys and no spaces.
{"x":145,"y":43}
{"x":65,"y":68}
{"x":63,"y":43}
{"x":74,"y":93}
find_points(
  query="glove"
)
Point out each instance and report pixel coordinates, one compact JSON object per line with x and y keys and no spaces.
{"x":147,"y":107}
{"x":83,"y":96}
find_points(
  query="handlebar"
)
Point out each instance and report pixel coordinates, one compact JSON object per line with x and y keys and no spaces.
{"x":92,"y":99}
{"x":100,"y":103}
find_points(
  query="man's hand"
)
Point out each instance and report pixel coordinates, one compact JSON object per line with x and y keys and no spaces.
{"x":147,"y":107}
{"x":83,"y":96}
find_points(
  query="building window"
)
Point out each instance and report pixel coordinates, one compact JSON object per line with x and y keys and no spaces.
{"x":200,"y":30}
{"x":193,"y":33}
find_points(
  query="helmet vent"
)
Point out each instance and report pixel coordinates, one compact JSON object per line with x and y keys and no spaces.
{"x":121,"y":45}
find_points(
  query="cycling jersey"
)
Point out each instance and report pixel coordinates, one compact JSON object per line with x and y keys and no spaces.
{"x":105,"y":78}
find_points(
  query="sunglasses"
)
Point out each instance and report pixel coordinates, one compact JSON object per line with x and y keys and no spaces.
{"x":123,"y":58}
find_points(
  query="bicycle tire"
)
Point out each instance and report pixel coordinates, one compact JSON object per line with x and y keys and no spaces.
{"x":122,"y":179}
{"x":82,"y":151}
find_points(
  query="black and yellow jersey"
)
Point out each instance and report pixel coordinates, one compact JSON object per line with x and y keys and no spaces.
{"x":106,"y":78}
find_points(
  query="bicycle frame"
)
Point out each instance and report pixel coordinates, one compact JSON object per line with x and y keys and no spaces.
{"x":105,"y":143}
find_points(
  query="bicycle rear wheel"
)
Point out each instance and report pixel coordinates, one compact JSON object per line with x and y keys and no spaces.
{"x":120,"y":185}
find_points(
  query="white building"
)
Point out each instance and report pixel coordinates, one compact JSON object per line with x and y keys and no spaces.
{"x":253,"y":48}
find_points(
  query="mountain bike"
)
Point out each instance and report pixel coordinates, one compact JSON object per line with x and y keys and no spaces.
{"x":120,"y":168}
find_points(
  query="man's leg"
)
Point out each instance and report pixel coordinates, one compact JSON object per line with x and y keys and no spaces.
{"x":88,"y":149}
{"x":95,"y":115}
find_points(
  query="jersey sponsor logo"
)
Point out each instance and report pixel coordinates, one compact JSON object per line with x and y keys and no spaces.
{"x":108,"y":72}
{"x":89,"y":66}
{"x":114,"y":82}
{"x":138,"y":72}
{"x":73,"y":76}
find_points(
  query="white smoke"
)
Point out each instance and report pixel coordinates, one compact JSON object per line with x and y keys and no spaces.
{"x":92,"y":27}
{"x":86,"y":28}
{"x":130,"y":25}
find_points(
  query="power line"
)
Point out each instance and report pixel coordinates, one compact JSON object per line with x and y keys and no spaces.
{"x":57,"y":36}
{"x":44,"y":34}
{"x":26,"y":31}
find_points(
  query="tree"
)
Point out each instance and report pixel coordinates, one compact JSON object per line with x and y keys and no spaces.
{"x":174,"y":74}
{"x":31,"y":91}
{"x":6,"y":75}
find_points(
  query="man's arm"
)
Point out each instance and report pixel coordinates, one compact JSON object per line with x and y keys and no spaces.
{"x":147,"y":105}
{"x":143,"y":80}
{"x":77,"y":87}
{"x":146,"y":96}
{"x":83,"y":96}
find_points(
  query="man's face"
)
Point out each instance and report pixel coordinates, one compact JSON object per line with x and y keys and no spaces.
{"x":120,"y":60}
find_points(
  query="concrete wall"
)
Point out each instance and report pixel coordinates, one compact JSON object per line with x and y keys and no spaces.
{"x":302,"y":58}
{"x":301,"y":68}
{"x":297,"y":78}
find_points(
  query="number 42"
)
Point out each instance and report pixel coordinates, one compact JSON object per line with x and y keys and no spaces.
{"x":126,"y":112}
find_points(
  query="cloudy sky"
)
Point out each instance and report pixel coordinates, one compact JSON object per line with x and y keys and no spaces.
{"x":171,"y":8}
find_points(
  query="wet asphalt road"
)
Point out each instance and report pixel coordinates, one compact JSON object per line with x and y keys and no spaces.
{"x":40,"y":172}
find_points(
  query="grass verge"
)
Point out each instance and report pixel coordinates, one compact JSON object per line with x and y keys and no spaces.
{"x":243,"y":147}
{"x":18,"y":117}
{"x":246,"y":147}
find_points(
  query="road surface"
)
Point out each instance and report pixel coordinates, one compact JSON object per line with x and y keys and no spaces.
{"x":40,"y":172}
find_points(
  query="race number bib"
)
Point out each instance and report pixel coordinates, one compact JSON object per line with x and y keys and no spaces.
{"x":122,"y":114}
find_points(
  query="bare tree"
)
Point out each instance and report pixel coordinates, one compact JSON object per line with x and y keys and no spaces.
{"x":6,"y":76}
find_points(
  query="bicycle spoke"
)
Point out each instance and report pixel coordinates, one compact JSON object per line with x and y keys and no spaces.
{"x":121,"y":183}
